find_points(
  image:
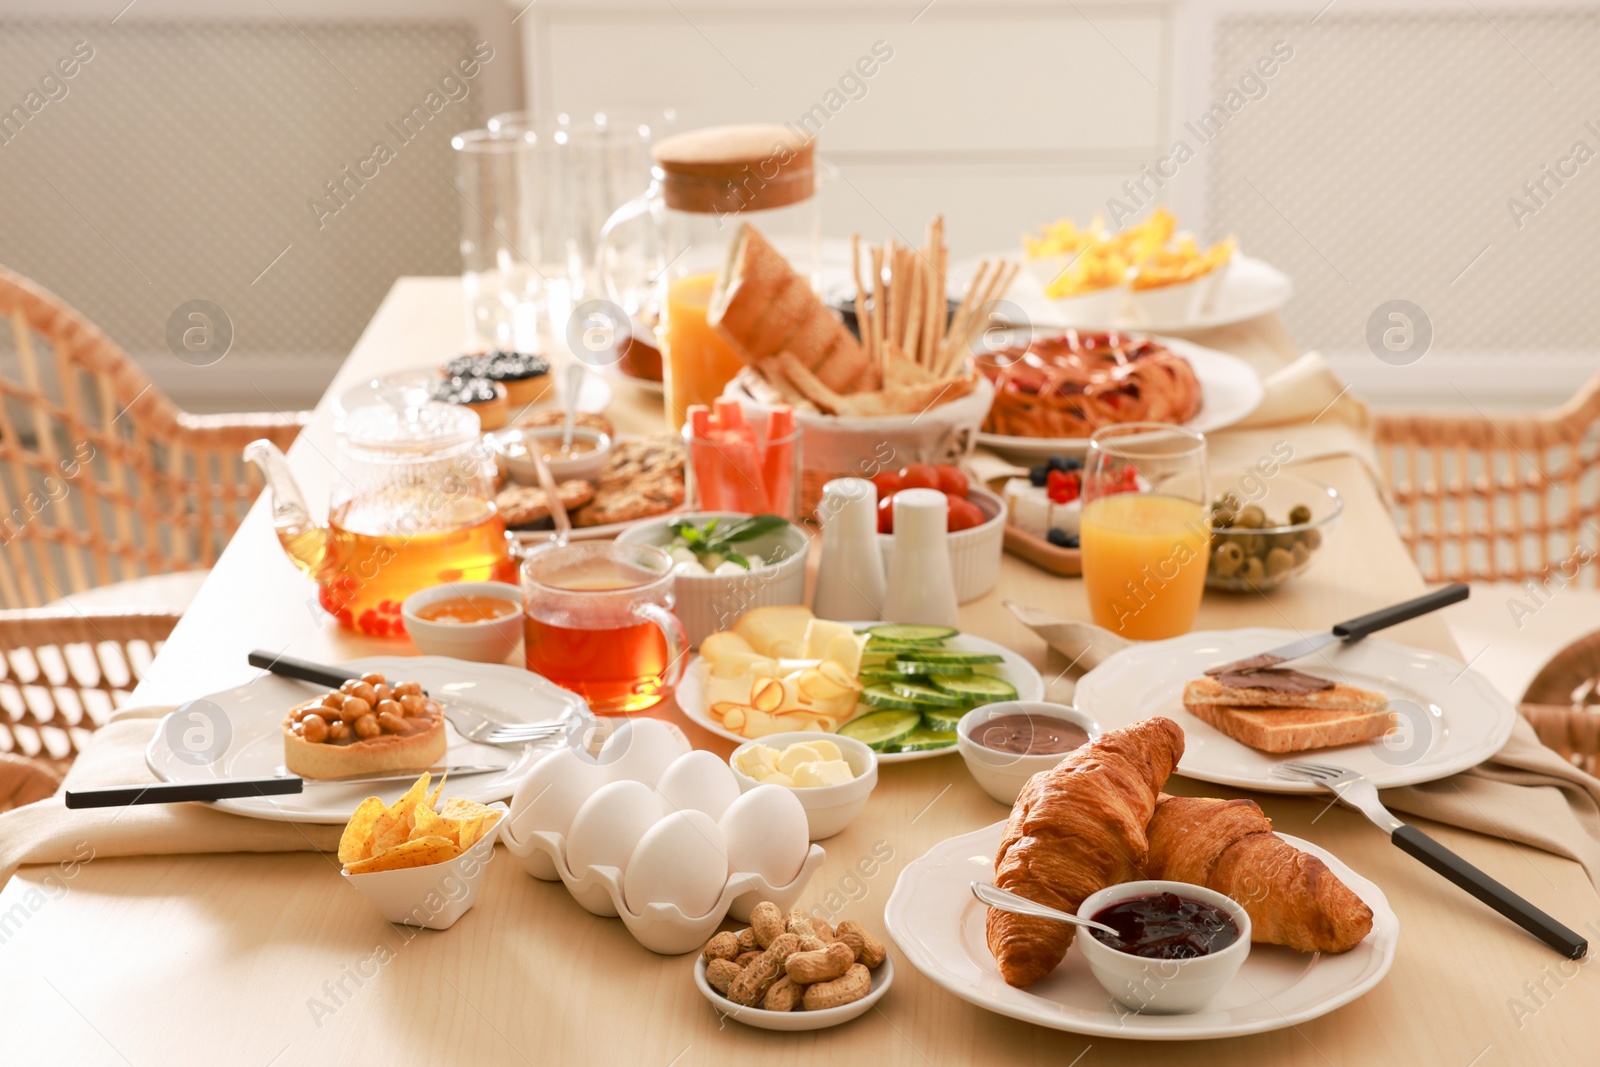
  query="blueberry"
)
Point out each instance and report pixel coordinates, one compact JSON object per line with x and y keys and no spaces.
{"x":1072,"y":540}
{"x":1058,"y":537}
{"x":1058,"y":463}
{"x":1074,"y":464}
{"x":1039,"y":475}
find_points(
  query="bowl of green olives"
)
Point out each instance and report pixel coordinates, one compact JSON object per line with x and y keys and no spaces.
{"x":1261,"y":539}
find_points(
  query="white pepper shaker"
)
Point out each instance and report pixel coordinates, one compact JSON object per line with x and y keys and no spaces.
{"x":850,"y":582}
{"x":922,"y":589}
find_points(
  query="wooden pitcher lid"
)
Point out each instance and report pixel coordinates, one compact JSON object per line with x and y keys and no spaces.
{"x":725,"y":169}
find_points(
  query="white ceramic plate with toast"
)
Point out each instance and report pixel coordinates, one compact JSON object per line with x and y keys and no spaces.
{"x":237,"y":733}
{"x":1014,"y":669}
{"x":938,"y":925}
{"x":1229,"y":391}
{"x":1447,"y":717}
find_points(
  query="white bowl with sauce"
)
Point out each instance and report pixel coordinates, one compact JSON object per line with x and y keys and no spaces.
{"x":584,"y":460}
{"x":1153,"y":985}
{"x":477,"y":621}
{"x":1003,"y":760}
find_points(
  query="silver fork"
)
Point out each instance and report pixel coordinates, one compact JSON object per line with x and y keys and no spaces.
{"x":1357,"y":792}
{"x":484,"y":730}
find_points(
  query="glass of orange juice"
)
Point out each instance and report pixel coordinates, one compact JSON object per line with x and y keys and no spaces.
{"x":1144,"y":532}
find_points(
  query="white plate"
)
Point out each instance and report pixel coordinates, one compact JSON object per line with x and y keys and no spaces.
{"x":1451,"y":718}
{"x":1251,"y":287}
{"x":1018,"y":671}
{"x":1229,"y":391}
{"x":935,"y":921}
{"x":792,"y":1021}
{"x":247,"y":720}
{"x":535,"y":538}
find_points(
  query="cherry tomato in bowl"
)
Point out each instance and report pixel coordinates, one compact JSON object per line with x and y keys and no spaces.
{"x":919,"y":476}
{"x":889,"y":483}
{"x":952,"y":482}
{"x":964,"y":515}
{"x":886,"y":515}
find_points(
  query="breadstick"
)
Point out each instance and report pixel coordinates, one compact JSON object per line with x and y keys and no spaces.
{"x":942,"y":319}
{"x":958,"y":324}
{"x":877,"y":308}
{"x":930,"y":309}
{"x":896,"y":295}
{"x":914,"y":311}
{"x":863,"y":313}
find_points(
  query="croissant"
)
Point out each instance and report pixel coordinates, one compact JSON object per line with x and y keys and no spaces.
{"x":1292,"y":897}
{"x":1074,"y":830}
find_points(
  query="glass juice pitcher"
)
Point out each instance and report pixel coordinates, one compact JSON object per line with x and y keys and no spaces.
{"x":412,"y":506}
{"x":704,"y":185}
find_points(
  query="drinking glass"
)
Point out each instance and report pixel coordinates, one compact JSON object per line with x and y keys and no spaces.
{"x":497,"y":176}
{"x":591,"y":166}
{"x":1145,"y":532}
{"x":597,"y":620}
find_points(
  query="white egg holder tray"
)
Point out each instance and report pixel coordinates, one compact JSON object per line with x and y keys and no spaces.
{"x":662,"y":928}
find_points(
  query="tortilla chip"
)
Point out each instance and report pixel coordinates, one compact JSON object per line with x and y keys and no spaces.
{"x":356,"y":841}
{"x":421,"y":852}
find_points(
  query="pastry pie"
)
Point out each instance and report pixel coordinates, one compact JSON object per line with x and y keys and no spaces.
{"x":487,"y":399}
{"x":525,"y":375}
{"x":366,"y":726}
{"x":1072,"y":384}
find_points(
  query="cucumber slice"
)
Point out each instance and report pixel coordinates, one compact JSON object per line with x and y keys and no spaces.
{"x":918,"y":667}
{"x":909,"y":634}
{"x":881,"y":730}
{"x":949,"y":656}
{"x":893,"y":648}
{"x":881,"y":676}
{"x":943,"y":719}
{"x":925,"y":696}
{"x":881,"y":696}
{"x":976,"y":688}
{"x":925,"y":740}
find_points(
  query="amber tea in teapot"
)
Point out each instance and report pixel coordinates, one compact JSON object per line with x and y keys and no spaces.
{"x":412,"y":507}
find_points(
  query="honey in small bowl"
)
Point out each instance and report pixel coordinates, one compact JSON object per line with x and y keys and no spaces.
{"x":465,"y":610}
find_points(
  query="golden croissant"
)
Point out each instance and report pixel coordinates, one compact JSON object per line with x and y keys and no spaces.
{"x":1074,"y":830}
{"x":1228,"y":845}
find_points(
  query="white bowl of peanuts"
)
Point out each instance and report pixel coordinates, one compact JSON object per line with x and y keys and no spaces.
{"x":792,"y":971}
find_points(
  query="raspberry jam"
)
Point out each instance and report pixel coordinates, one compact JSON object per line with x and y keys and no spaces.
{"x":1165,"y":926}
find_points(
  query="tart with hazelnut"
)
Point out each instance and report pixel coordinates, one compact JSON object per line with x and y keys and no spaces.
{"x":366,"y":726}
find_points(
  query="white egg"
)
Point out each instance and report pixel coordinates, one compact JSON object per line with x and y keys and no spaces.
{"x":609,"y":825}
{"x":767,"y":834}
{"x":553,"y":791}
{"x":681,"y":860}
{"x":640,"y":749}
{"x":698,"y":781}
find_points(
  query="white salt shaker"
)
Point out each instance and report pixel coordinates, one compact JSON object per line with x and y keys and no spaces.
{"x":850,"y":581}
{"x":921,"y":588}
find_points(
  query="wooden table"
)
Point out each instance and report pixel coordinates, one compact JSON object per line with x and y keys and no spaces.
{"x":270,"y":959}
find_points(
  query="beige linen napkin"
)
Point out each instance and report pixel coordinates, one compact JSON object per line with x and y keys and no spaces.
{"x":1526,"y":793}
{"x":46,"y":832}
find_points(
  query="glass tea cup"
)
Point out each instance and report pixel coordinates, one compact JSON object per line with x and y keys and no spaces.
{"x":597,"y":620}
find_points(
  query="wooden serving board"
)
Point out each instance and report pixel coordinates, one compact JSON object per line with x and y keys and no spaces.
{"x":1067,"y":562}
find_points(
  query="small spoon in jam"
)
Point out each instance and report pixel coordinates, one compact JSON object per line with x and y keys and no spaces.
{"x":1006,"y":900}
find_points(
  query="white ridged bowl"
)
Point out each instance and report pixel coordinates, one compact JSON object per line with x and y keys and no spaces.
{"x":975,"y":553}
{"x":706,"y":603}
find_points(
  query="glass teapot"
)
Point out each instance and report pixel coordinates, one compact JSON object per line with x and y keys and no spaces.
{"x":412,"y":507}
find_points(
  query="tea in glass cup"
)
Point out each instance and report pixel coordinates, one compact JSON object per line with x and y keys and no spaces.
{"x":598,"y":621}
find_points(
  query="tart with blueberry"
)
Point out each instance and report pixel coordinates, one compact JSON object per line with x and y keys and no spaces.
{"x":525,"y":375}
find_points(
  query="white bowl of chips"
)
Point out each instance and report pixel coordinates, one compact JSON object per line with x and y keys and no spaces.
{"x":420,"y":866}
